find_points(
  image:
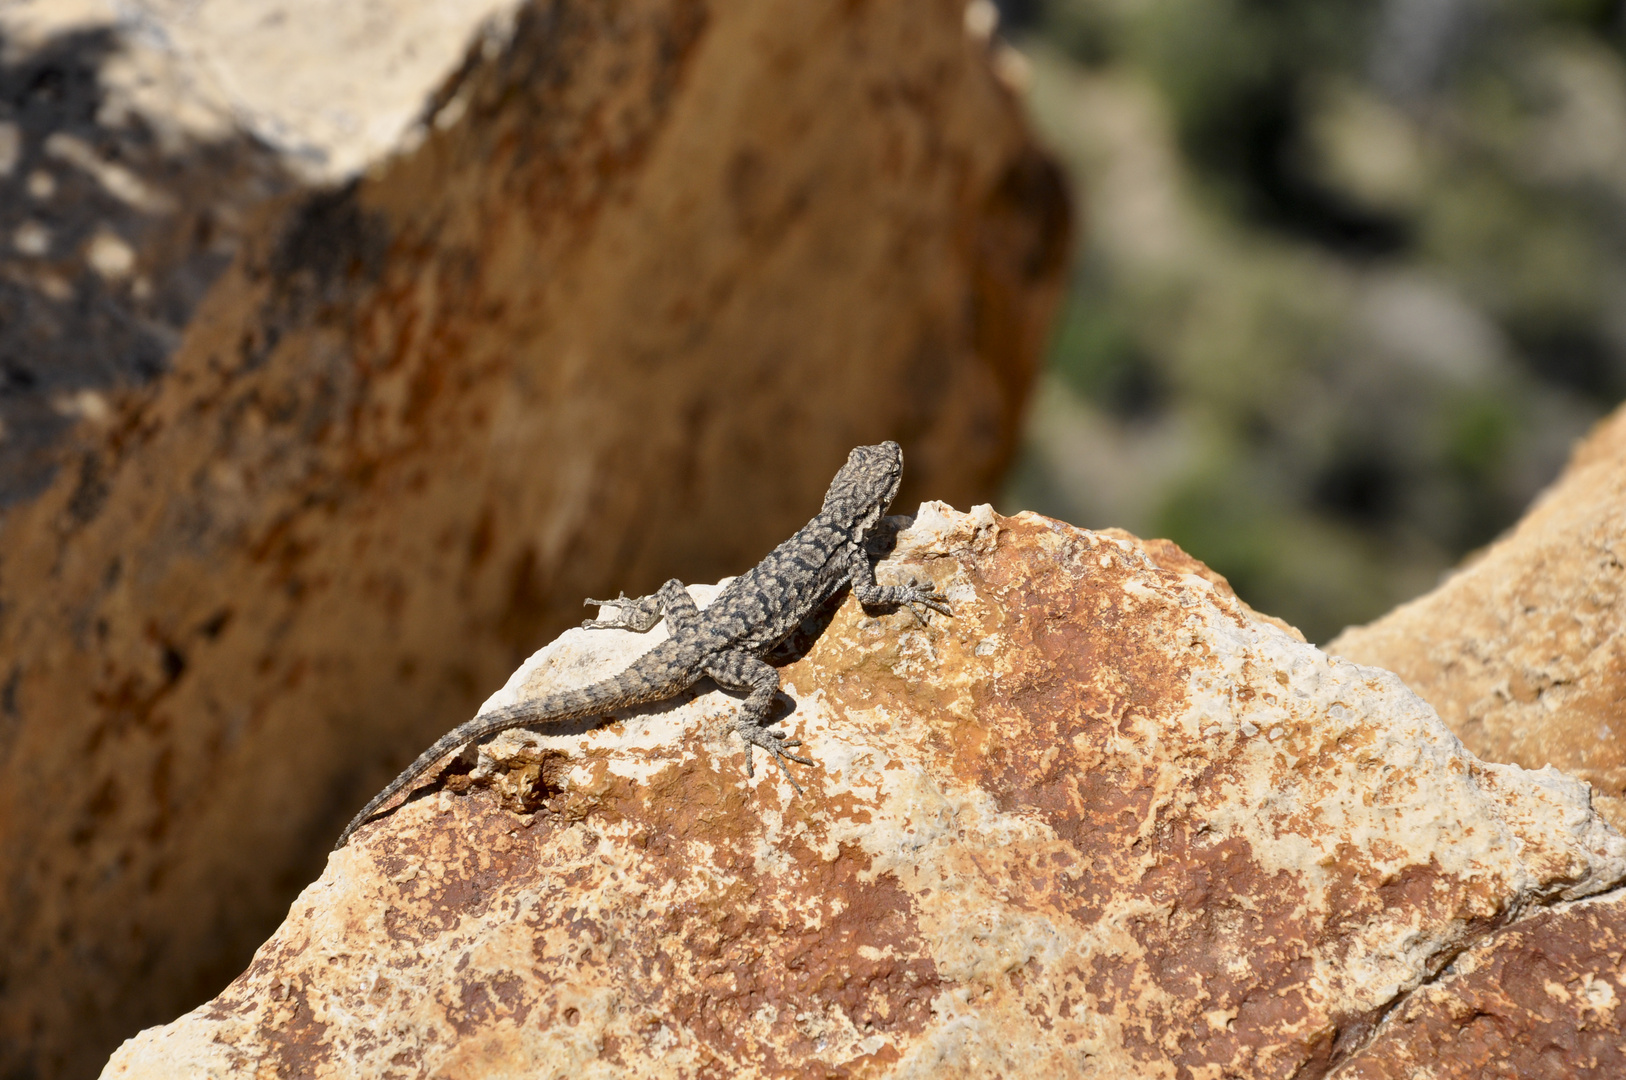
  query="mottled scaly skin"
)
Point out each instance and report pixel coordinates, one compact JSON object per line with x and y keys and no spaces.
{"x":726,"y":641}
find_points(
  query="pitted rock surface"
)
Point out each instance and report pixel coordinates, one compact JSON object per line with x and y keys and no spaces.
{"x":1523,"y":650}
{"x":345,"y":347}
{"x":1102,"y":822}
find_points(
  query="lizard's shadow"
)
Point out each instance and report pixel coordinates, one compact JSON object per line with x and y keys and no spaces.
{"x":880,"y":543}
{"x":465,"y":761}
{"x":800,"y":641}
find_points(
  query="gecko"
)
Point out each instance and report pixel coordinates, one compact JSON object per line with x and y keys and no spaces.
{"x":728,"y":640}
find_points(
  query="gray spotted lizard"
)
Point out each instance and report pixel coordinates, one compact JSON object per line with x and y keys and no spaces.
{"x":728,"y":640}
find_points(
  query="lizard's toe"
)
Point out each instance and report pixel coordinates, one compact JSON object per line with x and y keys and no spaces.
{"x":923,"y":594}
{"x":630,"y":614}
{"x":778,"y":748}
{"x":926,"y":594}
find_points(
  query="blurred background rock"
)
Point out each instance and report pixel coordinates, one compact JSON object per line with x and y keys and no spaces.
{"x":1351,"y":282}
{"x":345,"y":348}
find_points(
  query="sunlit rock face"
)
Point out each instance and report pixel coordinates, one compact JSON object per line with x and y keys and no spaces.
{"x":1523,"y":650}
{"x":347,"y":347}
{"x":1102,"y":821}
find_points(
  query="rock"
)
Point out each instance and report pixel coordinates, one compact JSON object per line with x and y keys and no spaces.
{"x":376,"y":365}
{"x":1541,"y":1000}
{"x":1101,"y":822}
{"x":1523,"y":650}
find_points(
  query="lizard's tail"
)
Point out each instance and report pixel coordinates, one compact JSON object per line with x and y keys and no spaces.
{"x":617,"y":692}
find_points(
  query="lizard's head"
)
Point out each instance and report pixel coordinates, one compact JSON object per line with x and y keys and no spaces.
{"x":866,"y":485}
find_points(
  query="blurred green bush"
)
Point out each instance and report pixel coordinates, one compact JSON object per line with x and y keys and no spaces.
{"x":1352,"y":278}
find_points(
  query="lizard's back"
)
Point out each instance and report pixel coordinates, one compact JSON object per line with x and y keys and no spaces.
{"x":761,"y":607}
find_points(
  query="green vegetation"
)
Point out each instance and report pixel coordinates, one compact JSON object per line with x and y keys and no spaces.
{"x":1352,"y":278}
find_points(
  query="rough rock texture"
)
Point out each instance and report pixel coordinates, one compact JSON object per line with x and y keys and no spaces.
{"x":1542,"y":1000}
{"x":1102,"y":822}
{"x":611,"y":304}
{"x":1523,"y":651}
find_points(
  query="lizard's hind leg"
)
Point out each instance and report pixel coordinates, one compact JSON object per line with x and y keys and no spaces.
{"x":672,"y":600}
{"x":741,"y":671}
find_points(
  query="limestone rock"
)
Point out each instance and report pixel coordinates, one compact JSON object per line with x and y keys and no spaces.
{"x":388,"y":331}
{"x":1101,"y":822}
{"x":1523,"y":650}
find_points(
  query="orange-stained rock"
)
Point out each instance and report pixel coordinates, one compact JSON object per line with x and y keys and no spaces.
{"x":389,"y":334}
{"x":1545,"y":999}
{"x":1523,"y":650}
{"x":1101,"y":822}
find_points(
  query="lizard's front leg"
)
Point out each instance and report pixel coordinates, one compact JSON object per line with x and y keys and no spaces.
{"x":741,"y":671}
{"x":913,"y":596}
{"x":643,"y":613}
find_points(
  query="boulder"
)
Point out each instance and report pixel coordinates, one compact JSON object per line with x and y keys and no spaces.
{"x":1102,"y":821}
{"x":1523,"y":649}
{"x":347,"y":347}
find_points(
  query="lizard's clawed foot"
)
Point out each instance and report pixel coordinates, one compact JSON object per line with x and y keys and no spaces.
{"x":923,"y":596}
{"x":777,"y":746}
{"x":630,"y":614}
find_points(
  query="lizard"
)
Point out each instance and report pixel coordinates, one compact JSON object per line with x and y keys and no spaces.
{"x":728,"y":640}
